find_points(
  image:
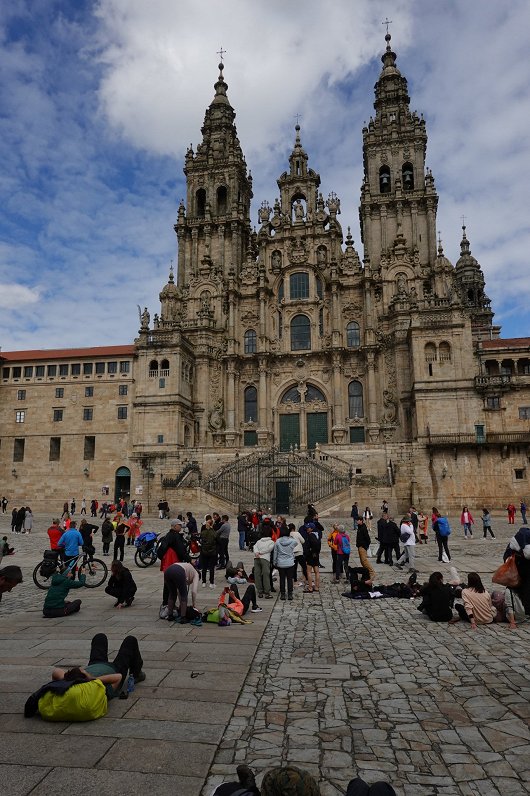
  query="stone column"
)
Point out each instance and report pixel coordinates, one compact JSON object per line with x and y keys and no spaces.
{"x":263,"y":420}
{"x":194,"y":251}
{"x":338,"y":429}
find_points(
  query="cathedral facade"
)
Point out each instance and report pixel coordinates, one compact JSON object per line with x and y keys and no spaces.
{"x":384,"y":366}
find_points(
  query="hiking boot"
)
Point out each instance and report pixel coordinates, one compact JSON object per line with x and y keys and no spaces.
{"x":282,"y":596}
{"x":290,"y":597}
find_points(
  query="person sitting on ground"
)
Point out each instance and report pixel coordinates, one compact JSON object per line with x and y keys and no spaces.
{"x":10,"y":577}
{"x":360,"y":580}
{"x":5,"y":550}
{"x":121,"y":585}
{"x":477,"y":608}
{"x":55,"y":603}
{"x":230,"y":598}
{"x":54,"y":534}
{"x":57,"y":701}
{"x":438,"y":598}
{"x":177,"y":579}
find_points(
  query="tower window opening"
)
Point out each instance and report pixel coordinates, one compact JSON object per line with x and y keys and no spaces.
{"x":222,"y":200}
{"x":200,"y":202}
{"x":353,"y":335}
{"x":384,"y":179}
{"x":407,"y":174}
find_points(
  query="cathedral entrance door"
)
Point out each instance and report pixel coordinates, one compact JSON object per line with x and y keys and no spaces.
{"x":122,"y":486}
{"x":289,"y":431}
{"x":282,"y":497}
{"x":317,"y":428}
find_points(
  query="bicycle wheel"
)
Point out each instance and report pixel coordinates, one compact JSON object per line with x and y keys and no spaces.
{"x":140,"y":559}
{"x":41,"y":581}
{"x":96,"y":573}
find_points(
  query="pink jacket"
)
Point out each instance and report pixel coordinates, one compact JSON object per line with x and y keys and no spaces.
{"x":471,"y":520}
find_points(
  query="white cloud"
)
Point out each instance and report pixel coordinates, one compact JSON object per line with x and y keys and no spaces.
{"x":13,"y":297}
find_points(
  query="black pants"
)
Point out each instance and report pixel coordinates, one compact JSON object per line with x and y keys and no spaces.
{"x":127,"y":660}
{"x":106,"y":547}
{"x":358,"y":787}
{"x":119,"y":546}
{"x":208,"y":561}
{"x":462,"y":613}
{"x":443,"y":546}
{"x":175,"y":582}
{"x":249,"y":597}
{"x":488,"y":528}
{"x":299,"y":560}
{"x":223,"y":552}
{"x":385,"y":549}
{"x":286,"y":575}
{"x":66,"y":610}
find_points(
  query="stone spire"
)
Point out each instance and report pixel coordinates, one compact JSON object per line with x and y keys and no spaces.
{"x":470,"y":281}
{"x":300,"y":182}
{"x":391,"y":91}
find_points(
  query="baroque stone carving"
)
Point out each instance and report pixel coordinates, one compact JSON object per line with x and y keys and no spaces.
{"x":216,"y":419}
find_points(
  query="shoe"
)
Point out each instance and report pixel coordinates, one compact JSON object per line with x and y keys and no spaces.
{"x":273,"y":589}
{"x":290,"y":597}
{"x":399,"y":566}
{"x":116,"y":603}
{"x":307,"y":591}
{"x":139,"y":678}
{"x":282,"y":596}
{"x":260,"y":595}
{"x":256,"y":610}
{"x":204,"y":585}
{"x":246,"y":777}
{"x":163,"y":614}
{"x":268,"y":596}
{"x":196,"y":622}
{"x":212,"y":585}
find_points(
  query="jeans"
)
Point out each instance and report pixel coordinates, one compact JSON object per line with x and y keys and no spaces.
{"x":68,"y":608}
{"x":127,"y":660}
{"x":262,"y":575}
{"x":223,"y":552}
{"x":467,"y":527}
{"x":286,"y":575}
{"x":443,"y":546}
{"x":119,"y":547}
{"x":208,"y":561}
{"x":242,"y":537}
{"x":409,"y":554}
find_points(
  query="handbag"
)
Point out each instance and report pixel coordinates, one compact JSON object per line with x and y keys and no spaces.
{"x":507,"y":574}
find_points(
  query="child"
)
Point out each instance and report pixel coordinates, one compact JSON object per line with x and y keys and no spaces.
{"x":5,"y":550}
{"x":486,"y":523}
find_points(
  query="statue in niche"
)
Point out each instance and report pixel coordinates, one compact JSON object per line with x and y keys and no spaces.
{"x":276,"y":259}
{"x":321,"y":255}
{"x":401,"y":284}
{"x":390,"y":407}
{"x":299,"y":210}
{"x":216,"y":419}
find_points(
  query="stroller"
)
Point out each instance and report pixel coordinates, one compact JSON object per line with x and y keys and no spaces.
{"x":146,"y":545}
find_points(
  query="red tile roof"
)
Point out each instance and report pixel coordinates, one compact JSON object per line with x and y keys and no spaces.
{"x":509,"y":342}
{"x":68,"y":353}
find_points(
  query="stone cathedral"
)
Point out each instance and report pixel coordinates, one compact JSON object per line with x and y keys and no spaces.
{"x":285,"y":365}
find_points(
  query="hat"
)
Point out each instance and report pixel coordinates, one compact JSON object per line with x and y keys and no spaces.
{"x":13,"y":573}
{"x":310,"y":525}
{"x":176,"y":522}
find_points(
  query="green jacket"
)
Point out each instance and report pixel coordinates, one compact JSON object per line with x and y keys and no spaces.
{"x":208,"y":541}
{"x":58,"y":591}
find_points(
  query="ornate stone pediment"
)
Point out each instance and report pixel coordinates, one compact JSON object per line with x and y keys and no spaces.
{"x":298,"y":252}
{"x":351,"y":311}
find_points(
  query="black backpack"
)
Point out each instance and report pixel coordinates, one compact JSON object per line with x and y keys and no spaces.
{"x":163,"y":547}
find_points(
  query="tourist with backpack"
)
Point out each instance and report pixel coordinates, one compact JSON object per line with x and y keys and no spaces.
{"x":442,"y":529}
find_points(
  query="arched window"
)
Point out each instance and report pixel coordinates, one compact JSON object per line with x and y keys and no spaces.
{"x":153,"y":367}
{"x":312,"y":393}
{"x":444,"y":352}
{"x":291,"y":396}
{"x":251,"y":341}
{"x":200,"y":202}
{"x":355,"y":399}
{"x":353,"y":335}
{"x":251,"y":405}
{"x":299,"y":285}
{"x":222,"y":196}
{"x":407,"y":177}
{"x":384,"y":180}
{"x":300,"y":333}
{"x":430,"y":352}
{"x":164,"y":367}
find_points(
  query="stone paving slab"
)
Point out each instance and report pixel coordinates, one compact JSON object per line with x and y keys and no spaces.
{"x":17,"y":780}
{"x":185,"y":710}
{"x":59,"y":783}
{"x":133,"y":754}
{"x":51,"y":749}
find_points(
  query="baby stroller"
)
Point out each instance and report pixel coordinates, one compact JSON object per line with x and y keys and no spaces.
{"x":146,"y":545}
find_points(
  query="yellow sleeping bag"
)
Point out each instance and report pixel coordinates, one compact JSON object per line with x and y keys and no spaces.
{"x":83,"y":702}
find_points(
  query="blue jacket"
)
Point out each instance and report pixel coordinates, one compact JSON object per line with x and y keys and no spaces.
{"x":71,"y":541}
{"x":283,"y":555}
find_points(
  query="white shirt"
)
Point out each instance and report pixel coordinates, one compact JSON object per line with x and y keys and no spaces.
{"x":407,"y":528}
{"x":299,"y":539}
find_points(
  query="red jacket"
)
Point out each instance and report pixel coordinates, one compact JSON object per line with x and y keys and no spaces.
{"x":55,"y":533}
{"x":471,"y":520}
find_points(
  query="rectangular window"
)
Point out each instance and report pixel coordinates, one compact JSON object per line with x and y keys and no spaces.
{"x":299,"y":286}
{"x":90,"y":448}
{"x":28,"y":371}
{"x":18,"y":450}
{"x":250,"y":439}
{"x":52,"y":370}
{"x":89,"y":392}
{"x":520,"y":474}
{"x":112,"y":367}
{"x":88,"y":413}
{"x":59,"y":392}
{"x":57,"y":415}
{"x":524,"y":413}
{"x":493,"y":402}
{"x":100,"y":368}
{"x":526,"y":369}
{"x":123,"y":389}
{"x":87,"y":368}
{"x":160,"y":439}
{"x":480,"y":433}
{"x":55,"y":449}
{"x":21,"y":395}
{"x":75,"y":370}
{"x":161,"y":383}
{"x":63,"y":370}
{"x":39,"y":371}
{"x":125,"y":367}
{"x":356,"y":434}
{"x":5,"y":373}
{"x":17,"y":373}
{"x":122,"y":413}
{"x":20,"y":416}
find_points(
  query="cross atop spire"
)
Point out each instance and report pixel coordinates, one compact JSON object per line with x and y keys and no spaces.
{"x":221,"y":53}
{"x":297,"y":117}
{"x":387,"y":22}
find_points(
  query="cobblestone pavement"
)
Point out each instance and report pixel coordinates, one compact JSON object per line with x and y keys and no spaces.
{"x":339,"y":687}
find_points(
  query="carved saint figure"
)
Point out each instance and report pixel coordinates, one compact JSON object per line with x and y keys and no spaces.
{"x":390,"y":407}
{"x":216,"y":419}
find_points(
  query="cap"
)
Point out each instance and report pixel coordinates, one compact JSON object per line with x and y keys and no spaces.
{"x":176,"y":522}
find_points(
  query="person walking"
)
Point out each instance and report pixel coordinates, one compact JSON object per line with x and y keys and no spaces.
{"x":283,"y":559}
{"x":262,"y":564}
{"x":442,"y":529}
{"x":354,"y":514}
{"x":208,"y":540}
{"x":486,"y":523}
{"x":522,"y":509}
{"x":408,"y":538}
{"x":83,"y":506}
{"x":466,"y":520}
{"x":362,"y":543}
{"x":510,"y":508}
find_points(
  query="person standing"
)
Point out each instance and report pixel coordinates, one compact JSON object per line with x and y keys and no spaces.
{"x":298,"y":555}
{"x":119,"y":541}
{"x":107,"y":530}
{"x":408,"y":538}
{"x":83,"y":506}
{"x":223,"y":537}
{"x":413,"y":514}
{"x":28,"y":520}
{"x":510,"y":508}
{"x":368,"y":517}
{"x":362,"y":542}
{"x":283,"y":559}
{"x":466,"y":520}
{"x":21,"y":516}
{"x":442,"y":529}
{"x":208,"y":539}
{"x":93,"y":508}
{"x":423,"y":522}
{"x":354,"y":514}
{"x":14,"y":515}
{"x":242,"y":528}
{"x":72,"y":507}
{"x":332,"y":544}
{"x":4,"y":504}
{"x":71,"y":540}
{"x":522,"y":508}
{"x":486,"y":523}
{"x":54,"y":533}
{"x":262,"y":564}
{"x":312,"y":557}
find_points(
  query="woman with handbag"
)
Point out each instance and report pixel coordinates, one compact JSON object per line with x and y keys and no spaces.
{"x":515,"y":573}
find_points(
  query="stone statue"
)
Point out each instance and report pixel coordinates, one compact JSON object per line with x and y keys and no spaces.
{"x":401,"y":284}
{"x":390,"y":407}
{"x":216,"y":419}
{"x":321,"y":255}
{"x":298,"y":210}
{"x":276,"y":259}
{"x":264,"y":213}
{"x":145,"y":318}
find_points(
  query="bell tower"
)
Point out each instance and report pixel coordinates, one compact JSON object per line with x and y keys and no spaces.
{"x":213,"y":230}
{"x":398,"y":197}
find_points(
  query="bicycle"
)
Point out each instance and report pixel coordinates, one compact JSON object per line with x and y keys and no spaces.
{"x":146,"y":549}
{"x":95,"y":570}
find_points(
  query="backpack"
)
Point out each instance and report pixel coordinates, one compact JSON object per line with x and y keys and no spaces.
{"x":83,"y":702}
{"x":444,"y":529}
{"x":346,"y":549}
{"x":162,"y":548}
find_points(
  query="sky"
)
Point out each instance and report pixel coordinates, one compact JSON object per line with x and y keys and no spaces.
{"x":100,"y":100}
